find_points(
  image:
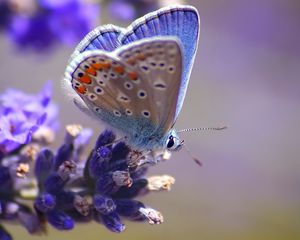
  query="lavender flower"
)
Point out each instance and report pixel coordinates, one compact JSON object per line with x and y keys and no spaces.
{"x":108,"y":176}
{"x":122,"y":10}
{"x":32,"y":32}
{"x":128,"y":10}
{"x":23,"y":115}
{"x":71,"y":21}
{"x":51,"y":23}
{"x":5,"y":14}
{"x":67,"y":188}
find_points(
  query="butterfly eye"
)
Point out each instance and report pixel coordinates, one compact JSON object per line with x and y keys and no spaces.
{"x":170,"y":142}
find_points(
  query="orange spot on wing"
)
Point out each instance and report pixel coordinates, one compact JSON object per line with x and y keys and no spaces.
{"x":81,"y":89}
{"x":85,"y":79}
{"x":119,"y":69}
{"x":141,"y":57}
{"x":106,"y":65}
{"x":101,"y":65}
{"x":91,"y":71}
{"x":133,"y":76}
{"x":97,"y":66}
{"x":131,"y":61}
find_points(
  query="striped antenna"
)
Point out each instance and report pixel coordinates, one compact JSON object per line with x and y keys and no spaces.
{"x":202,"y":129}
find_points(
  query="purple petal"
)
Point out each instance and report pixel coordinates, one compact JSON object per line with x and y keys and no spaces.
{"x":42,"y":119}
{"x":45,"y":202}
{"x":45,"y":94}
{"x":113,"y":222}
{"x":60,"y":220}
{"x":21,"y":115}
{"x":129,"y":208}
{"x":44,"y":164}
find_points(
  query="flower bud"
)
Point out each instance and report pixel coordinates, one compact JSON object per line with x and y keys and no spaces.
{"x":60,"y":220}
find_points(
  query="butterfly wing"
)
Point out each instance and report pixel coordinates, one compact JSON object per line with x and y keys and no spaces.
{"x":179,"y":21}
{"x":134,"y":89}
{"x":158,"y":63}
{"x":104,"y":37}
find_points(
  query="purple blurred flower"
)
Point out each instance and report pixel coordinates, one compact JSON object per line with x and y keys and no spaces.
{"x":5,"y":14}
{"x":54,"y":3}
{"x":15,"y":131}
{"x":128,"y":10}
{"x":21,"y":115}
{"x":122,"y":10}
{"x":71,"y":21}
{"x":32,"y":32}
{"x":54,"y":22}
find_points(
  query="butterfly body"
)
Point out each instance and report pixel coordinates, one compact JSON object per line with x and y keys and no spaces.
{"x":135,"y":79}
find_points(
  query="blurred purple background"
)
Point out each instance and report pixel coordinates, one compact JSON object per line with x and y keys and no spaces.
{"x":247,"y":76}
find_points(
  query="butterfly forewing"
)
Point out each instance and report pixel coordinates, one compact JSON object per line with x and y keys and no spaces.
{"x":101,"y":38}
{"x":179,"y":21}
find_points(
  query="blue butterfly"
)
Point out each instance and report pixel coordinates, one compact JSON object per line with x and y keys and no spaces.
{"x":135,"y":79}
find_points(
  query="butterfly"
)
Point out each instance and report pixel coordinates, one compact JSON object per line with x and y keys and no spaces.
{"x":135,"y":79}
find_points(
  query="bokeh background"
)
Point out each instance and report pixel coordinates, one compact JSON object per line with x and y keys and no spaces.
{"x":246,"y":76}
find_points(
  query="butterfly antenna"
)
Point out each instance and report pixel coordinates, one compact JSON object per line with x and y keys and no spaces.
{"x":202,"y":129}
{"x":190,"y":153}
{"x":197,"y":161}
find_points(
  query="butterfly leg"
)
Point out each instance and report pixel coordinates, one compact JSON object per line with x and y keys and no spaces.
{"x":139,"y":158}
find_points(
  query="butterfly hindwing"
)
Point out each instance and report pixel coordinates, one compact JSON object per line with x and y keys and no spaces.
{"x":158,"y":62}
{"x":178,"y":21}
{"x":133,"y":87}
